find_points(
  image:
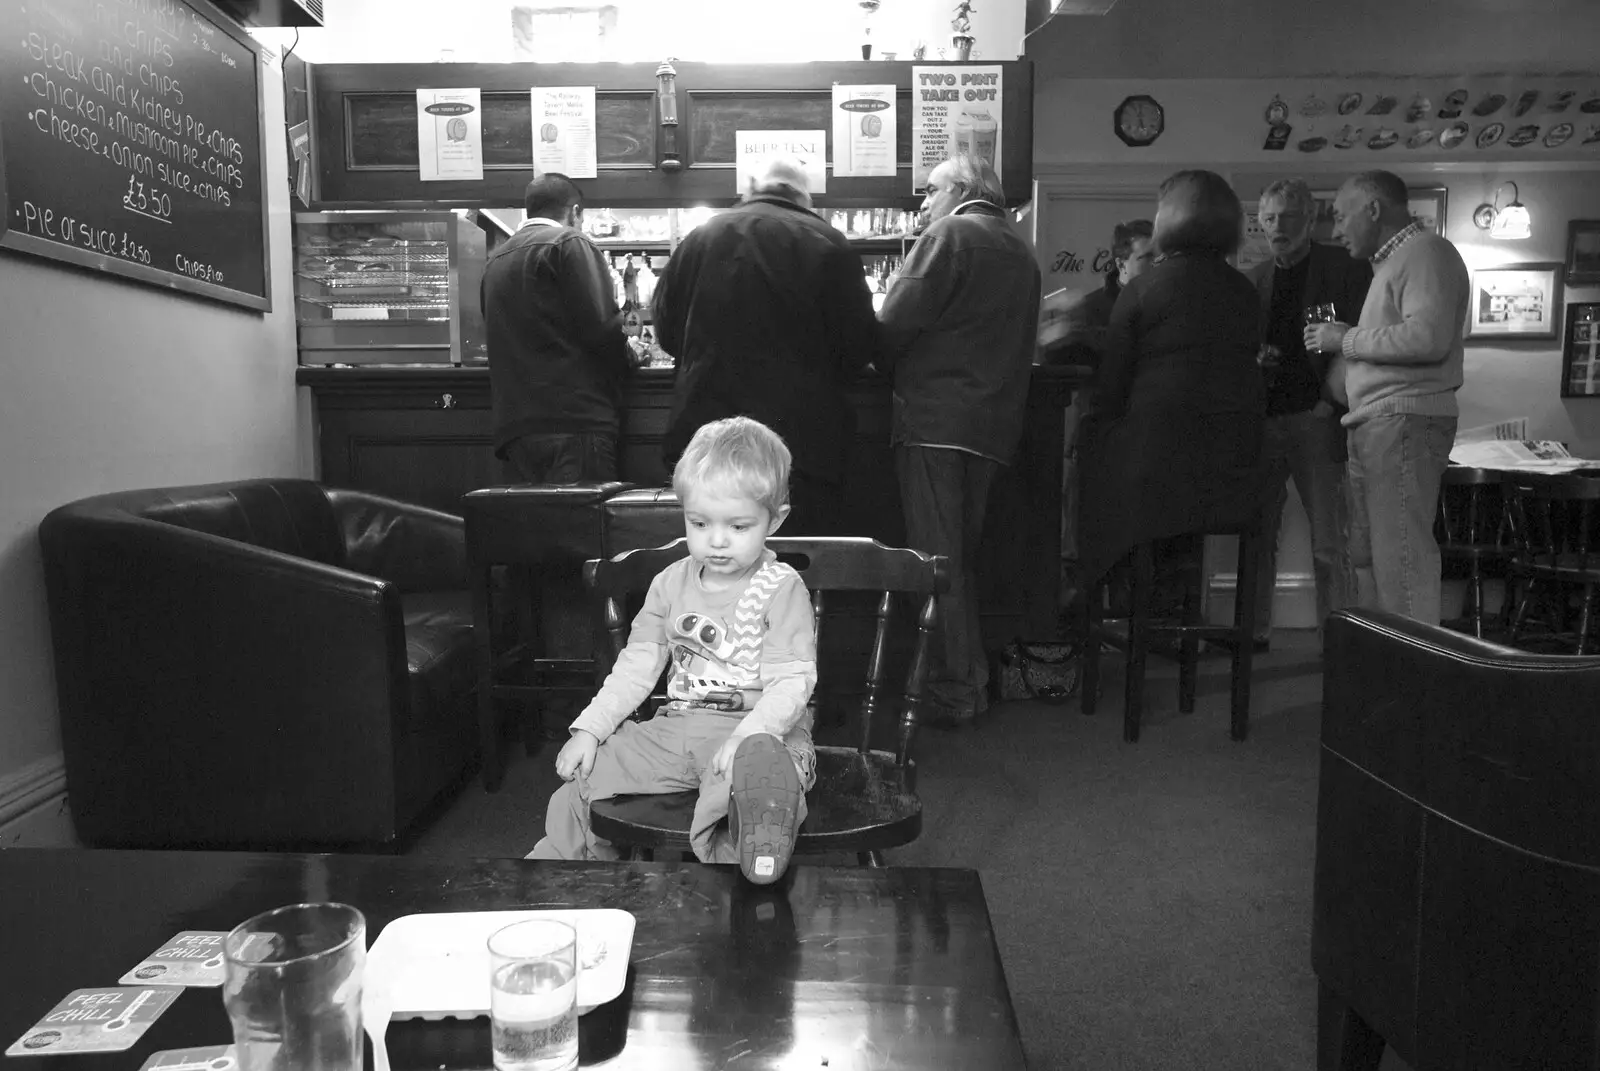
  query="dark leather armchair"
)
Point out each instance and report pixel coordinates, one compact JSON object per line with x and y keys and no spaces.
{"x":266,"y":663}
{"x":1456,"y":912}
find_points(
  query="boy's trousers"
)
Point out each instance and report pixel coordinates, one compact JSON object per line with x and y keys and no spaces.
{"x":669,"y":753}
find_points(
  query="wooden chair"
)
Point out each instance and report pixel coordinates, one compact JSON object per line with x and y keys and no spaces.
{"x":1554,"y":528}
{"x":864,"y":800}
{"x":1473,"y":528}
{"x":1133,"y":635}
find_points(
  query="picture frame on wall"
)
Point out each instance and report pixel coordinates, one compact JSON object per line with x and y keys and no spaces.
{"x":1515,"y":301}
{"x":1583,"y":252}
{"x":1580,"y":357}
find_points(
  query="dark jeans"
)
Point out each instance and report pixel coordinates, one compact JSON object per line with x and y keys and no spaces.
{"x":943,"y":494}
{"x":582,"y":457}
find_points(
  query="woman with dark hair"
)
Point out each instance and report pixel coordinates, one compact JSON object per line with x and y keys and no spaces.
{"x":1172,"y":442}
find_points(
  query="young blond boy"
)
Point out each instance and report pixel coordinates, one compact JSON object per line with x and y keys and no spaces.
{"x":737,"y":627}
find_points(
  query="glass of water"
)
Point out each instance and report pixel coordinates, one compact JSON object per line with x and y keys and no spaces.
{"x":533,"y":996}
{"x":292,"y":988}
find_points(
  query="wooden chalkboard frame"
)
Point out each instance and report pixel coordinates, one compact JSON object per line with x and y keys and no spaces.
{"x":10,"y":238}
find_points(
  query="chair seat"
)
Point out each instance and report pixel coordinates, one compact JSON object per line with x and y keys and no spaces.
{"x":861,"y":802}
{"x":1475,"y":551}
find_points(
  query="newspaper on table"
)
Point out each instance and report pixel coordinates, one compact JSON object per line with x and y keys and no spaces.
{"x":1506,"y":445}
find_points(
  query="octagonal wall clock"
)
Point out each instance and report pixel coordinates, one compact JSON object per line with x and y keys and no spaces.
{"x":1139,"y":120}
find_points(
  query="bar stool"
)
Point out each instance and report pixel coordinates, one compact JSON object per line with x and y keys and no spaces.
{"x":1472,"y":527}
{"x":1133,"y":634}
{"x":544,"y":533}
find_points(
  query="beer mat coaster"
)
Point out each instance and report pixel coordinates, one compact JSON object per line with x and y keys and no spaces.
{"x":95,"y":1020}
{"x":209,"y":1058}
{"x":435,"y":966}
{"x":193,"y":957}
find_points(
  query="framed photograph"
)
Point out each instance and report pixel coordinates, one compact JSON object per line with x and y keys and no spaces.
{"x":1583,"y":252}
{"x":1515,"y":301}
{"x":1427,"y":204}
{"x":1580,"y":357}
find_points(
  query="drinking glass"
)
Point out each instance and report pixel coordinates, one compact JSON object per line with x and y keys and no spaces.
{"x":533,"y":996}
{"x":1324,"y":313}
{"x":292,"y":988}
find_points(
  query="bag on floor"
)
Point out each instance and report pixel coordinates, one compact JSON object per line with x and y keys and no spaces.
{"x":1043,"y":671}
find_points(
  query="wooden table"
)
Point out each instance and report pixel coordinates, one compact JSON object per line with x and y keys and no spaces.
{"x":836,"y":968}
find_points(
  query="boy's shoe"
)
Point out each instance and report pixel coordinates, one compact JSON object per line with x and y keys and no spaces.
{"x":764,"y":794}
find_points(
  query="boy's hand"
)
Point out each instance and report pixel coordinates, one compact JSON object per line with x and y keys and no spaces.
{"x":722,"y":761}
{"x":577,"y":755}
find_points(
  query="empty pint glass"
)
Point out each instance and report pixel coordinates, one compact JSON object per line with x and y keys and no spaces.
{"x":292,"y":988}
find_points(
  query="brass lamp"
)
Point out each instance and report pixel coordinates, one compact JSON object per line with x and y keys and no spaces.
{"x":667,"y":98}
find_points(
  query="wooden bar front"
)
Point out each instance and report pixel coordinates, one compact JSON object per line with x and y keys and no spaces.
{"x":425,"y":435}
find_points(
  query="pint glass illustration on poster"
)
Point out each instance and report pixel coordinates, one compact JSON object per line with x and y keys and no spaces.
{"x":956,"y":113}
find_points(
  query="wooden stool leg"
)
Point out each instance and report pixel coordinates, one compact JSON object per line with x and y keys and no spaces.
{"x":872,"y":859}
{"x":1244,"y":616}
{"x":1188,"y":643}
{"x":1475,"y":592}
{"x":1094,"y":613}
{"x":1585,"y":617}
{"x":1138,"y":640}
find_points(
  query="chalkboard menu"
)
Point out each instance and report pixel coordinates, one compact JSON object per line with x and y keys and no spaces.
{"x":131,"y":143}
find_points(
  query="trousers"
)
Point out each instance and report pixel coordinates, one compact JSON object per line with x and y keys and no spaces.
{"x":669,"y":753}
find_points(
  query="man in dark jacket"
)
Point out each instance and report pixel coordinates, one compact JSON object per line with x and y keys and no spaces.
{"x":1075,"y":332}
{"x":1304,"y":440}
{"x":557,"y":355}
{"x":767,"y":310}
{"x":959,"y":326}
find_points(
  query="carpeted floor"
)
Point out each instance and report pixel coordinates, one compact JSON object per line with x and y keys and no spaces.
{"x":1152,"y":901}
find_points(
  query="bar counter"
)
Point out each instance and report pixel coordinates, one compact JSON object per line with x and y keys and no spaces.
{"x":423,"y":434}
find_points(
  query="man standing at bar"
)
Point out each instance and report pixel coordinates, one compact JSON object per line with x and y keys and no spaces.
{"x":557,"y":355}
{"x":767,"y":310}
{"x":960,"y":326}
{"x":1304,"y":440}
{"x":1400,"y":367}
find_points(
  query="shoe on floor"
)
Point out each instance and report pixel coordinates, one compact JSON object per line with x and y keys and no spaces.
{"x":764,"y":795}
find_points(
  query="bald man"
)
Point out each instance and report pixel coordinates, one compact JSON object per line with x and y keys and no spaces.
{"x":766,"y":309}
{"x":959,"y":330}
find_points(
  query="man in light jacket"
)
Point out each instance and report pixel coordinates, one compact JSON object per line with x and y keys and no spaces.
{"x":1399,"y":370}
{"x":960,"y":325}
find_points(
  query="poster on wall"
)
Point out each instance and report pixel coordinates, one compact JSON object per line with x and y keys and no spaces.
{"x":863,"y":131}
{"x":753,"y":147}
{"x":563,"y":131}
{"x":956,"y":111}
{"x":449,"y":134}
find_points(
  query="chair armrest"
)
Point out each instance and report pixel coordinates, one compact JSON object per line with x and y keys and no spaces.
{"x":418,"y":548}
{"x":1498,"y":740}
{"x":212,"y":691}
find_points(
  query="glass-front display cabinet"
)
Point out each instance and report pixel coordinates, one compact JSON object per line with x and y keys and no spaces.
{"x":388,"y":288}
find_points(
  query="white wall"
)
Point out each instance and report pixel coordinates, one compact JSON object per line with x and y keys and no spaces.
{"x":743,"y":31}
{"x":108,"y":386}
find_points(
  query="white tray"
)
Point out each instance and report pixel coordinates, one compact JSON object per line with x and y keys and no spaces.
{"x":437,"y":965}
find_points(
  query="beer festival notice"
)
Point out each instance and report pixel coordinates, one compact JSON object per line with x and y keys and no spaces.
{"x":449,"y":134}
{"x":955,"y":111}
{"x":752,"y":148}
{"x":563,"y":131}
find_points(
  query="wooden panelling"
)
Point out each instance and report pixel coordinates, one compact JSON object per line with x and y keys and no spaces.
{"x":365,"y":124}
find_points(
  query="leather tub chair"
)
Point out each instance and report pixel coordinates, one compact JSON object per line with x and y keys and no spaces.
{"x":1456,"y":905}
{"x":260,"y":664}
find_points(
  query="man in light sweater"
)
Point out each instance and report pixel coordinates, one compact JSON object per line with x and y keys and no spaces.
{"x":1399,"y":369}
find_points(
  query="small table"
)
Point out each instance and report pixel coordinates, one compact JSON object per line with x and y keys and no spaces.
{"x":858,"y":967}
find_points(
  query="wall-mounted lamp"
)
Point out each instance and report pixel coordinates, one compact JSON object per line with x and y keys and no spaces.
{"x":667,"y":98}
{"x":1510,"y":222}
